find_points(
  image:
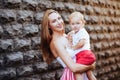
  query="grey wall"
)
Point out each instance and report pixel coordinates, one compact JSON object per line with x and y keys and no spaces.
{"x":20,"y":22}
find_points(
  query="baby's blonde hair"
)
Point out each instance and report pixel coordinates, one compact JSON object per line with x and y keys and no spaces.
{"x":78,"y":15}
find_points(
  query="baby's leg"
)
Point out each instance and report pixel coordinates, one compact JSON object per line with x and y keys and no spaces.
{"x":78,"y":76}
{"x":91,"y":75}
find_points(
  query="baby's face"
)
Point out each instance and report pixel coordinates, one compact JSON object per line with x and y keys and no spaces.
{"x":76,"y":24}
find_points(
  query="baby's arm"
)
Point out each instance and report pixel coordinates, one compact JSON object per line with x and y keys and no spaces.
{"x":80,"y":44}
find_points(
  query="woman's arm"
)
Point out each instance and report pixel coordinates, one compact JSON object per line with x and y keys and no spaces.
{"x":60,"y":48}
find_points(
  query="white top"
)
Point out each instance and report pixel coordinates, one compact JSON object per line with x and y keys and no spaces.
{"x":81,"y":34}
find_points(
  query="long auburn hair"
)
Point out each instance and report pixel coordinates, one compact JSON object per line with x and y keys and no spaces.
{"x":46,"y":36}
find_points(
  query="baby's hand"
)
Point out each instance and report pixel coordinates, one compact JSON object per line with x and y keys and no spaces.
{"x":69,"y":35}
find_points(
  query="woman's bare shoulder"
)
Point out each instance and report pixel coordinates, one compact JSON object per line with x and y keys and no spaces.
{"x":54,"y":42}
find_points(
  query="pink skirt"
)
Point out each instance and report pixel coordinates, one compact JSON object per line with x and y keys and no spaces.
{"x":67,"y":74}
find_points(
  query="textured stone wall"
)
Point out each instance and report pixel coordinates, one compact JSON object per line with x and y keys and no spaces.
{"x":20,"y":22}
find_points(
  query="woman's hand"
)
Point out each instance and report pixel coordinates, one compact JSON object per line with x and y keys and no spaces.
{"x":93,"y":66}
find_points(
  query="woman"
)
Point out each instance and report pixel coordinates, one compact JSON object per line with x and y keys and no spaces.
{"x":54,"y":45}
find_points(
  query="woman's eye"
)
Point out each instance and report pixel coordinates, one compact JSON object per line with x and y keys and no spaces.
{"x":53,"y":21}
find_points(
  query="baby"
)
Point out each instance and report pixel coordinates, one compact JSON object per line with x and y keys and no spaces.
{"x":79,"y":41}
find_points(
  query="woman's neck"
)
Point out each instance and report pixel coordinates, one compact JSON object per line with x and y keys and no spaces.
{"x":58,"y":34}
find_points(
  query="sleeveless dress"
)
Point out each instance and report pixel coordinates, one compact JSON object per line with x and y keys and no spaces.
{"x":67,"y":73}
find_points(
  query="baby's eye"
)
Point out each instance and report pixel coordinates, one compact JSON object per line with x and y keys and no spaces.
{"x":72,"y":23}
{"x":77,"y":23}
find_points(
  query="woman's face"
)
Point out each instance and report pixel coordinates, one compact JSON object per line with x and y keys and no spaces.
{"x":55,"y":22}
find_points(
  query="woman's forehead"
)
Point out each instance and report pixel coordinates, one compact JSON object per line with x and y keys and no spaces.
{"x":53,"y":16}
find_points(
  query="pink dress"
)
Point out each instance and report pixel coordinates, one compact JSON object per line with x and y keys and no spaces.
{"x":67,"y":74}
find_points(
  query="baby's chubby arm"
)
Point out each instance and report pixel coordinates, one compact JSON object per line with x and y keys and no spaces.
{"x":80,"y":44}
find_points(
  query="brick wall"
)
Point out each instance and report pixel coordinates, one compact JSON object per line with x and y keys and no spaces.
{"x":20,"y":22}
